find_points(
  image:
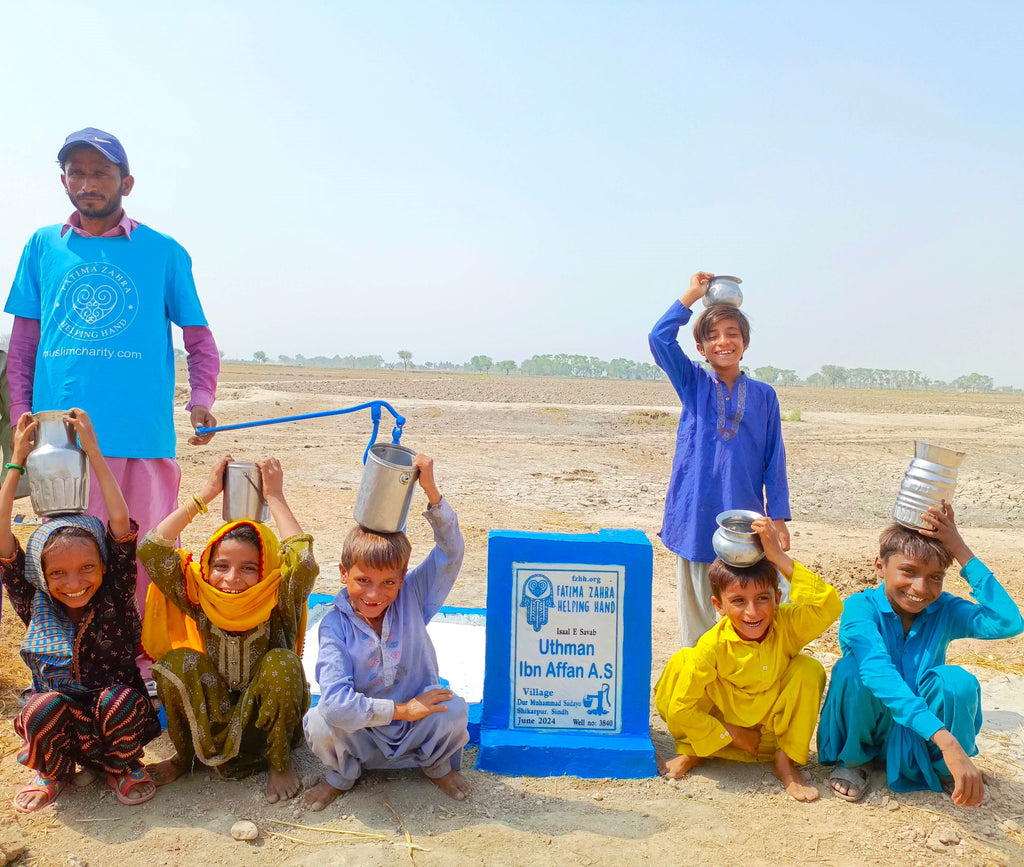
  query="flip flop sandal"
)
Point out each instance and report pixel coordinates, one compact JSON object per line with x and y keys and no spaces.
{"x":855,"y":777}
{"x":126,"y":782}
{"x":50,"y":788}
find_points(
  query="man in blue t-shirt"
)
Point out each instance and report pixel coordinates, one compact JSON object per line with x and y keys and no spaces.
{"x":93,"y":301}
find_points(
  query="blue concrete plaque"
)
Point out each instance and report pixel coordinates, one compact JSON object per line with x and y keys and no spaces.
{"x":568,"y":660}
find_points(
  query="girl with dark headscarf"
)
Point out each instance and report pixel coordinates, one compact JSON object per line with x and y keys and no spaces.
{"x":74,"y":588}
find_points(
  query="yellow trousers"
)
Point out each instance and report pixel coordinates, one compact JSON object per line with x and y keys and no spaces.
{"x":789,"y":723}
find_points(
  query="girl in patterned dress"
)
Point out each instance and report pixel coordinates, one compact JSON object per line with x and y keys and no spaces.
{"x":74,"y":589}
{"x":226,"y":630}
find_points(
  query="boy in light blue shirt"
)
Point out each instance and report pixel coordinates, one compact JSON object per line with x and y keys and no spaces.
{"x":382,"y":704}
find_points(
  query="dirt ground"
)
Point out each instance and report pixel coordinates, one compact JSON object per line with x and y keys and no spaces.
{"x":575,"y":456}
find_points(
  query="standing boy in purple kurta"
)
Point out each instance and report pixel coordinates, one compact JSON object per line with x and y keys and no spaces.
{"x":382,"y":704}
{"x":729,"y":451}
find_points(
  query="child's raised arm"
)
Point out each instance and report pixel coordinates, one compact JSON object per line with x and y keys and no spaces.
{"x":23,"y":432}
{"x":774,"y":549}
{"x":942,"y":526}
{"x":171,"y":526}
{"x":698,"y":288}
{"x":273,"y":492}
{"x":425,"y":464}
{"x":117,"y":508}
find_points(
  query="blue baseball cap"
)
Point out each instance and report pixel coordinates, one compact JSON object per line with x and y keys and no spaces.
{"x":104,"y":142}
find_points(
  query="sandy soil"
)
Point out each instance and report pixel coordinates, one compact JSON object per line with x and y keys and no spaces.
{"x":563,"y":455}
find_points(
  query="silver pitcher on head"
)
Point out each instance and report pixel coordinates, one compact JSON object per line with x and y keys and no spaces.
{"x":57,"y":469}
{"x":930,"y":479}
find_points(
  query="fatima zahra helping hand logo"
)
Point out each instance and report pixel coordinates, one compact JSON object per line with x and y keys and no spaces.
{"x":538,"y":597}
{"x":96,"y":301}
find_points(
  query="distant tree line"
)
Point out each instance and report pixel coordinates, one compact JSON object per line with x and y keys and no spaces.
{"x":834,"y":376}
{"x":589,"y":367}
{"x":538,"y":365}
{"x":346,"y":362}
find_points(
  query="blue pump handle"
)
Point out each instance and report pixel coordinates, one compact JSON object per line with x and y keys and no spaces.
{"x":375,"y":414}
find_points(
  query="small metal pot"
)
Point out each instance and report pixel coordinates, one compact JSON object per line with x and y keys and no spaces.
{"x":734,"y":541}
{"x":243,"y":493}
{"x":724,"y":290}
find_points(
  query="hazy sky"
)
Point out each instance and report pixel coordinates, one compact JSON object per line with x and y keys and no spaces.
{"x":508,"y":179}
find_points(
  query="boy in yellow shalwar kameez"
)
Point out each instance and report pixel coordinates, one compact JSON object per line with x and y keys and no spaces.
{"x":746,"y":692}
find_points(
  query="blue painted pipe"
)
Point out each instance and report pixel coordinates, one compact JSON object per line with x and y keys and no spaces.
{"x":374,"y":406}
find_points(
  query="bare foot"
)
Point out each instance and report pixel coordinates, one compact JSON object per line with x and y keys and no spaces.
{"x":322,"y":794}
{"x":282,"y":785}
{"x":796,"y":788}
{"x":679,"y":766}
{"x":165,"y":772}
{"x":453,"y":784}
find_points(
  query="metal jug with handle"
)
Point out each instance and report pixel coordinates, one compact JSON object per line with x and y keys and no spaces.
{"x":385,"y":493}
{"x":243,"y":493}
{"x":57,"y":468}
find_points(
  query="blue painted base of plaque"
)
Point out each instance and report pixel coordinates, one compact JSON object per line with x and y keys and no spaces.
{"x":476,"y":711}
{"x":533,"y":754}
{"x":568,"y":654}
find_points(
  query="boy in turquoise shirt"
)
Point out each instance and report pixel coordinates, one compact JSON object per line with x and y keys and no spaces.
{"x":892,"y":696}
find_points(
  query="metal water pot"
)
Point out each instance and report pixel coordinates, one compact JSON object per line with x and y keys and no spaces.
{"x":57,"y":469}
{"x":385,"y":493}
{"x":243,"y":493}
{"x":734,"y":541}
{"x":724,"y":290}
{"x":930,"y":479}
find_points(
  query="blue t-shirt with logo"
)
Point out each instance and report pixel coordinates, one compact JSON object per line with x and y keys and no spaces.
{"x":105,"y":308}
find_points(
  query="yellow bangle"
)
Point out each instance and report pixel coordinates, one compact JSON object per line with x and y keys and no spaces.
{"x":201,"y":507}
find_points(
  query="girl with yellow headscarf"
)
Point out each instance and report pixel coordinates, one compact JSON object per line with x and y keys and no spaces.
{"x":226,"y":631}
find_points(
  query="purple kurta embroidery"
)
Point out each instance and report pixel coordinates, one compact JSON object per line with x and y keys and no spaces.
{"x":727,"y":427}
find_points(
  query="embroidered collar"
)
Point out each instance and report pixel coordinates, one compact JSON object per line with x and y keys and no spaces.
{"x":728,"y":426}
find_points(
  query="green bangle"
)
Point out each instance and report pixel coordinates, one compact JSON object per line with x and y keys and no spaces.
{"x":17,"y":467}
